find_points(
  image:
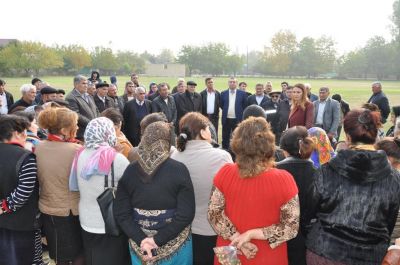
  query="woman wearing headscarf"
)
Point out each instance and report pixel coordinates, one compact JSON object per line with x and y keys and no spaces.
{"x":58,"y":205}
{"x":355,"y":199}
{"x":298,"y":146}
{"x":96,"y":159}
{"x":203,"y":162}
{"x":155,"y":202}
{"x":323,"y":150}
{"x":253,"y":205}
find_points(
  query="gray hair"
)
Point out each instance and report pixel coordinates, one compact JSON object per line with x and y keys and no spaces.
{"x":140,"y":89}
{"x":25,"y":88}
{"x":307,"y":85}
{"x":78,"y":79}
{"x":377,"y":83}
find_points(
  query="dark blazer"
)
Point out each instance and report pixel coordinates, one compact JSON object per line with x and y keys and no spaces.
{"x":216,"y":104}
{"x":131,"y":127}
{"x":240,"y":104}
{"x":159,"y":105}
{"x":185,"y":104}
{"x":153,"y":96}
{"x":265,"y":102}
{"x":283,"y":112}
{"x":10,"y":99}
{"x":331,"y":116}
{"x":303,"y":172}
{"x":300,"y":117}
{"x":86,"y":110}
{"x":101,"y":106}
{"x":382,"y":102}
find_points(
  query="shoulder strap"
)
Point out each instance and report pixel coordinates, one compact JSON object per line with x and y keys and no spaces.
{"x":105,"y":181}
{"x":112,"y":175}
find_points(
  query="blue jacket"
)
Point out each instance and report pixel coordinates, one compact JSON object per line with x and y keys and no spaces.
{"x":240,"y":104}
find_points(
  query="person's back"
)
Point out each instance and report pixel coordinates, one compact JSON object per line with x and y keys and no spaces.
{"x":256,"y":202}
{"x":90,"y":215}
{"x":356,"y":199}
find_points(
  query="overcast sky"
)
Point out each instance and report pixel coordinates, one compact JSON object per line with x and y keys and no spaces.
{"x":152,"y":25}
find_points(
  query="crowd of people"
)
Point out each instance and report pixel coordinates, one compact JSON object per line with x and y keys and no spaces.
{"x":281,"y":189}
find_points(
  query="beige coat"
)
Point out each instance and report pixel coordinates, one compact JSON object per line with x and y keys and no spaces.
{"x":54,"y":161}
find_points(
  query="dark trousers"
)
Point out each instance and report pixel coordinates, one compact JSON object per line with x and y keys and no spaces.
{"x":203,"y":253}
{"x":17,"y":247}
{"x":214,"y":120}
{"x":103,"y":249}
{"x":227,"y":130}
{"x":339,"y":130}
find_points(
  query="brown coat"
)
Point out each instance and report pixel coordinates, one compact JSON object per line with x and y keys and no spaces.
{"x":300,"y":117}
{"x":54,"y":161}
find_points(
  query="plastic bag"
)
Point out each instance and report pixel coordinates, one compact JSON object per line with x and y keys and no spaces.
{"x":227,"y":255}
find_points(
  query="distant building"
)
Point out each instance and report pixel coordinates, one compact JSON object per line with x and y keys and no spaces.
{"x":171,"y":69}
{"x":4,"y":42}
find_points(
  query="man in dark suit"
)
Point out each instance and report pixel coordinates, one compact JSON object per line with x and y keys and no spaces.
{"x":165,"y":103}
{"x":327,"y":113}
{"x":134,"y":111}
{"x":283,"y":112}
{"x":82,"y":103}
{"x":101,"y":99}
{"x":211,"y":102}
{"x":6,"y":98}
{"x":344,"y":109}
{"x":380,"y":99}
{"x":188,"y":101}
{"x":233,"y":102}
{"x":259,"y":98}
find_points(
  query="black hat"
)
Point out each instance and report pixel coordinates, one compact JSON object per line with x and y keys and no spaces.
{"x":104,"y":84}
{"x":34,"y":80}
{"x":48,"y":90}
{"x":191,"y":83}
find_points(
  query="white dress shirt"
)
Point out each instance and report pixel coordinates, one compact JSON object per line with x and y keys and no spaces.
{"x":231,"y":107}
{"x":320,"y":114}
{"x":4,"y":107}
{"x":259,"y":99}
{"x":140,"y":103}
{"x":210,"y":102}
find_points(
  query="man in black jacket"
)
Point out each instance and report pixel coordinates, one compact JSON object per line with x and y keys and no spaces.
{"x":134,"y":111}
{"x":380,"y":99}
{"x":283,"y":112}
{"x":211,"y":103}
{"x":165,"y":103}
{"x":6,"y":98}
{"x":101,"y":99}
{"x":188,"y":101}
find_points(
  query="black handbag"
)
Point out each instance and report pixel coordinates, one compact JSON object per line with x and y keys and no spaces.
{"x":106,"y":202}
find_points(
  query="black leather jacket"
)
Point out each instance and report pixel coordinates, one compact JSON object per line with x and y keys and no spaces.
{"x":355,"y":201}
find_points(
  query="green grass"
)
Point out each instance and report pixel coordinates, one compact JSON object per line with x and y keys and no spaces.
{"x":355,"y":92}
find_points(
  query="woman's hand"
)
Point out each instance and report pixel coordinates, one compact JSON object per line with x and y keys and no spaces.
{"x":239,"y":240}
{"x":249,"y":250}
{"x":147,"y":245}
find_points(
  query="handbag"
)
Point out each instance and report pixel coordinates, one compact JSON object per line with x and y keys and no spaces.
{"x":106,"y":202}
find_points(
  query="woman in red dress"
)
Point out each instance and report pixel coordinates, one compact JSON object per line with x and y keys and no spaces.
{"x":254,"y":206}
{"x":302,"y":110}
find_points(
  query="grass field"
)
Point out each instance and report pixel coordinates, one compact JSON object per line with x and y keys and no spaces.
{"x":355,"y":92}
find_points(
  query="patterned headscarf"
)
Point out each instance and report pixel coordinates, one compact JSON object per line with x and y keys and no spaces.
{"x":323,"y":149}
{"x":154,"y":147}
{"x":100,"y":132}
{"x":100,"y":136}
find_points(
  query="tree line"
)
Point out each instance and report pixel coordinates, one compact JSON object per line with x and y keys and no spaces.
{"x":285,"y":55}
